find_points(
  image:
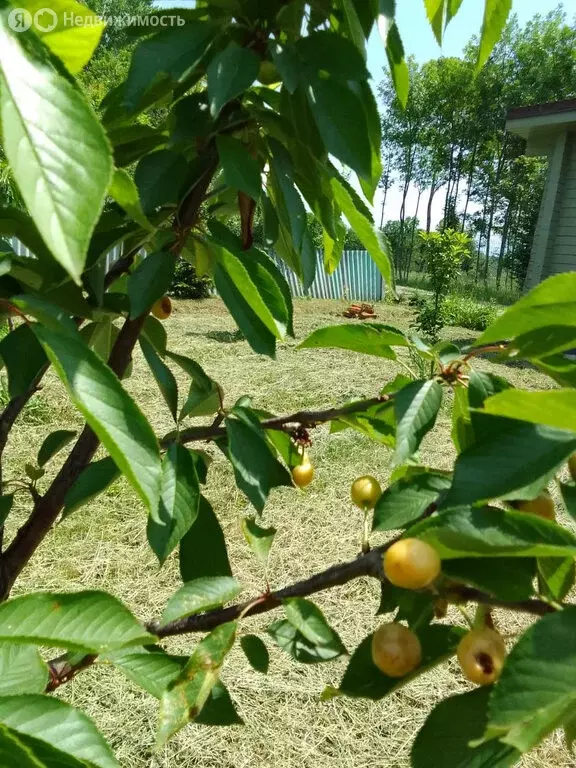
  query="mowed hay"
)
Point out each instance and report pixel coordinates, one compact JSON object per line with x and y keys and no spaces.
{"x":103,"y":546}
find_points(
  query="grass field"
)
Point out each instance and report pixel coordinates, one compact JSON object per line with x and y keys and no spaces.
{"x":104,"y":546}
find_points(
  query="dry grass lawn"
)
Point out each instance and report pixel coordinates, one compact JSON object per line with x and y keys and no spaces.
{"x":104,"y":546}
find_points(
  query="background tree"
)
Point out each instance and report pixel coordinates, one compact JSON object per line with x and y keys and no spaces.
{"x":467,"y":152}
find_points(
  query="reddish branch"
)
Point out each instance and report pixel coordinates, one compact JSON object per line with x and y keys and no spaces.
{"x":370,"y":564}
{"x":47,"y":507}
{"x":287,"y":423}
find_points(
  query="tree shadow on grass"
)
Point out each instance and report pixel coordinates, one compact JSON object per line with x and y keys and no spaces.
{"x":223,"y":337}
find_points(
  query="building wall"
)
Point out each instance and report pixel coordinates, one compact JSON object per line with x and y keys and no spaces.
{"x":561,"y":255}
{"x":554,"y":245}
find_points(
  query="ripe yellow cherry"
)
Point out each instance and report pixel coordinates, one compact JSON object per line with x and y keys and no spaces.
{"x":396,"y":650}
{"x":572,"y":466}
{"x":481,"y":654}
{"x":411,"y":563}
{"x":162,"y":308}
{"x":303,"y":473}
{"x":365,"y":492}
{"x":542,"y":505}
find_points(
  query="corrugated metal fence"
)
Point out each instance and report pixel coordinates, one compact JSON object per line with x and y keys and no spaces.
{"x":356,"y":277}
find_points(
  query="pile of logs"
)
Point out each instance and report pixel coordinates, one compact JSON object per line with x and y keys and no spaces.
{"x":360,"y":311}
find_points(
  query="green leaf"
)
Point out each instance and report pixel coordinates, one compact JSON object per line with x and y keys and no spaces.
{"x":93,"y":480}
{"x":256,"y":653}
{"x":556,"y":407}
{"x":170,"y":54}
{"x":324,"y":51}
{"x":416,"y":406}
{"x":453,"y":724}
{"x":259,"y":539}
{"x":63,"y":195}
{"x":492,"y":532}
{"x":108,"y":409}
{"x":495,"y":15}
{"x":163,"y":376}
{"x":15,"y":754}
{"x":200,"y":595}
{"x":125,"y":193}
{"x":259,"y":280}
{"x":415,"y":608}
{"x":185,"y":698}
{"x":309,"y":620}
{"x":557,"y":575}
{"x":407,"y":499}
{"x":241,"y":171}
{"x":368,"y":338}
{"x":551,"y":303}
{"x":230,"y":73}
{"x":378,"y":422}
{"x":204,"y":395}
{"x":178,"y":504}
{"x":435,"y":11}
{"x":511,"y":457}
{"x":256,"y":468}
{"x":294,"y":234}
{"x":361,"y":222}
{"x":568,"y":491}
{"x":54,"y":443}
{"x":505,"y":578}
{"x":22,"y":369}
{"x":92,"y":621}
{"x":150,"y":281}
{"x":160,"y":178}
{"x":287,"y":637}
{"x":543,"y":342}
{"x":395,"y":55}
{"x":203,"y":548}
{"x":58,"y":725}
{"x":260,"y":338}
{"x":537,"y":688}
{"x":73,"y":43}
{"x":462,"y":433}
{"x":151,"y":670}
{"x":155,"y":332}
{"x":362,"y":677}
{"x":341,"y":121}
{"x":22,"y":670}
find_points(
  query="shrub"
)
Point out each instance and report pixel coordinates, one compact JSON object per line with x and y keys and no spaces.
{"x":187,"y":284}
{"x":468,"y":313}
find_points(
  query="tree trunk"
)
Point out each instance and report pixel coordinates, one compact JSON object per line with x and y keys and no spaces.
{"x":407,"y":180}
{"x":504,"y":243}
{"x":449,"y":182}
{"x":383,"y":206}
{"x":484,"y":207}
{"x":411,"y":251}
{"x":433,"y":190}
{"x":469,"y":187}
{"x":494,"y":202}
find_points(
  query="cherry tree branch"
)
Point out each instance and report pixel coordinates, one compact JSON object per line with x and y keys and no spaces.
{"x":47,"y":507}
{"x":307,"y":419}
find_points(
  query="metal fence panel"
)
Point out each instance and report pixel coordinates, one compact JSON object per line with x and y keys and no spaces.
{"x":356,"y":277}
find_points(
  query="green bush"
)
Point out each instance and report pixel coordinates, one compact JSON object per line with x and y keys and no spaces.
{"x":468,"y":313}
{"x":187,"y":284}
